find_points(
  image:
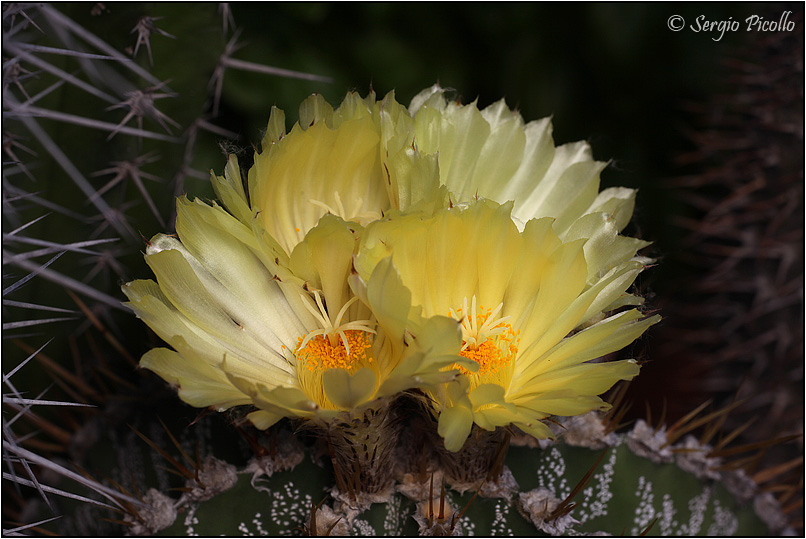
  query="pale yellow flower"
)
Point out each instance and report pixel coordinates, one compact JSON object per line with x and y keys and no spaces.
{"x":531,"y":317}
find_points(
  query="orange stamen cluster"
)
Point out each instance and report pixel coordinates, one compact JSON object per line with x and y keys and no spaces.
{"x":491,"y":345}
{"x":322,"y":352}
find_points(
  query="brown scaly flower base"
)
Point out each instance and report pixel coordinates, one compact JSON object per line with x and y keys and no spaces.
{"x":479,"y":464}
{"x":362,"y":449}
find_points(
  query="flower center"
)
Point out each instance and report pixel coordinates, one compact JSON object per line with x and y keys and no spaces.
{"x":320,"y":353}
{"x":335,"y":344}
{"x":487,"y":339}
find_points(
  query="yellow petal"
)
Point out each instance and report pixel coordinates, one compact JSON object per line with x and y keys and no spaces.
{"x":607,"y":336}
{"x":485,"y":394}
{"x":319,"y":170}
{"x":617,"y":202}
{"x":258,"y":304}
{"x":493,"y":416}
{"x":230,"y":191}
{"x":390,"y":301}
{"x":289,"y":399}
{"x":588,"y":378}
{"x":150,"y":304}
{"x":324,"y":259}
{"x":458,"y":138}
{"x":454,"y":426}
{"x":556,"y":311}
{"x":348,"y":391}
{"x":275,"y":131}
{"x":537,"y":429}
{"x":314,"y":110}
{"x":262,"y":419}
{"x":561,"y":403}
{"x":604,"y":248}
{"x":199,"y":384}
{"x":208,"y":305}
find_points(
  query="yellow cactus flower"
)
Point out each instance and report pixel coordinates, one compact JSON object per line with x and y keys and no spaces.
{"x":532,"y":318}
{"x":247,"y":331}
{"x":356,"y":162}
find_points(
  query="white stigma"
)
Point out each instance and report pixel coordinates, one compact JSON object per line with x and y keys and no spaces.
{"x":332,"y":328}
{"x":474,"y":335}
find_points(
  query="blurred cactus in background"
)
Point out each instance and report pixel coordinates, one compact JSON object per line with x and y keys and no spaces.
{"x":111,"y":111}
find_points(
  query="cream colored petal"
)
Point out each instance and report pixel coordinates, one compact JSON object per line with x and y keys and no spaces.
{"x":556,"y":308}
{"x":250,"y":294}
{"x":607,"y":336}
{"x":287,"y":398}
{"x":156,"y":310}
{"x":610,"y":289}
{"x":504,"y":160}
{"x":624,"y":300}
{"x":536,"y":428}
{"x":503,"y":150}
{"x":617,"y":202}
{"x":275,"y":403}
{"x":263,"y":419}
{"x":397,"y":125}
{"x":275,"y":131}
{"x":413,"y":181}
{"x":604,"y":248}
{"x":562,"y":403}
{"x":586,"y":379}
{"x":539,"y":242}
{"x":348,"y":391}
{"x":229,"y":189}
{"x":458,"y":135}
{"x":313,"y":110}
{"x":150,"y":305}
{"x":454,"y":426}
{"x":390,"y":302}
{"x":311,"y":172}
{"x":199,"y":384}
{"x":538,"y":155}
{"x":215,"y":310}
{"x":354,"y":106}
{"x":491,"y":417}
{"x":431,"y":94}
{"x":577,"y":189}
{"x":536,"y":204}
